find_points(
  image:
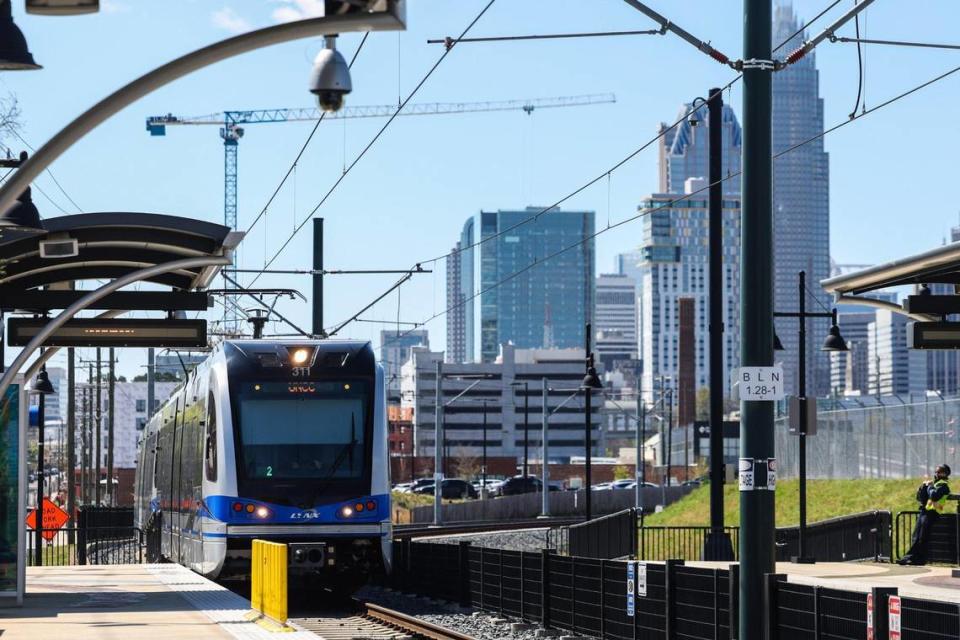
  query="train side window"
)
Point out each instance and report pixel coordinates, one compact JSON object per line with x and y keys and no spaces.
{"x":210,"y":449}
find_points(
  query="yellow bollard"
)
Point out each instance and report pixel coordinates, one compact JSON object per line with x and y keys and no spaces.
{"x":268,"y":584}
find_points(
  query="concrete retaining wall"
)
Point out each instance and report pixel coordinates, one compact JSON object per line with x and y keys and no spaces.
{"x":562,"y":503}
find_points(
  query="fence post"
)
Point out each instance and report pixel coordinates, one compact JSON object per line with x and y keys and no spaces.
{"x":770,"y":604}
{"x":463,"y":562}
{"x":716,"y":604}
{"x":634,"y":543}
{"x":407,"y":574}
{"x":880,"y":622}
{"x":733,"y":598}
{"x":82,"y":536}
{"x":816,"y":613}
{"x":603,"y":599}
{"x":500,"y":581}
{"x":523,"y":586}
{"x":670,"y":587}
{"x":545,"y":588}
{"x":483,"y":577}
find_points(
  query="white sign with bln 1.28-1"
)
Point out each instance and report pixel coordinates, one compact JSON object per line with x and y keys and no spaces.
{"x":760,"y":383}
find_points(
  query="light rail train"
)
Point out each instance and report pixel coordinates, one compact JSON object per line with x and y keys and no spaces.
{"x":274,"y":440}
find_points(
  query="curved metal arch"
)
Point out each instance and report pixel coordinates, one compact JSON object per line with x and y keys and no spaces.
{"x":883,"y":304}
{"x":149,"y":82}
{"x":93,"y":296}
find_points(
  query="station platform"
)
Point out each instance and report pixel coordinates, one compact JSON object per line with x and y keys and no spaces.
{"x":120,"y":602}
{"x":930,"y":582}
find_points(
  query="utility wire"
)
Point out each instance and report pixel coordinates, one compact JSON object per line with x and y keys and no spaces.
{"x":856,"y":105}
{"x":629,"y":157}
{"x":372,"y":141}
{"x":583,"y":187}
{"x":306,"y":143}
{"x":897,"y":43}
{"x":52,"y":177}
{"x":671,"y":202}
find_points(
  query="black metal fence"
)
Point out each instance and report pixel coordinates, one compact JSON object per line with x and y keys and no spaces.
{"x":943,"y":539}
{"x":102,"y":535}
{"x":589,"y":596}
{"x":859,"y":536}
{"x":856,"y":537}
{"x":677,"y":542}
{"x":612,"y":536}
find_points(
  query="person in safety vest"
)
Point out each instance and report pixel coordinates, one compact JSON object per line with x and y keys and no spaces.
{"x":932,"y":496}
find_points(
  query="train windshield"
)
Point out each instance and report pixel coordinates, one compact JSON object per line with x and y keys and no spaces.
{"x":295,"y":430}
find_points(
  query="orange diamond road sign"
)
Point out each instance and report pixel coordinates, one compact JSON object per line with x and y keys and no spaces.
{"x":53,"y":518}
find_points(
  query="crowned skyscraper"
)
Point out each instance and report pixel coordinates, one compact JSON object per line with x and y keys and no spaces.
{"x":801,"y":204}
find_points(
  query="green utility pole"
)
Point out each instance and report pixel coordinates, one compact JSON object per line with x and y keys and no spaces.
{"x":756,"y":315}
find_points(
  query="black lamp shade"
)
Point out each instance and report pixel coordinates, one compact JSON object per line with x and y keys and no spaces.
{"x":42,"y":383}
{"x":14,"y":55}
{"x":834,"y":341}
{"x":22,"y":215}
{"x":591,"y":380}
{"x":777,"y":345}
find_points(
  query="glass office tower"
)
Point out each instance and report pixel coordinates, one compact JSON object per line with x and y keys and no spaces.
{"x":517,"y":300}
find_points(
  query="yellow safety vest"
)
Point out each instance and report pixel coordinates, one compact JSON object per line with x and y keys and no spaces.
{"x":940,"y":504}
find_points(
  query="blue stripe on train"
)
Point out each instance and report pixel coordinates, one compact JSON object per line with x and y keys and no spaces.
{"x":222,"y":508}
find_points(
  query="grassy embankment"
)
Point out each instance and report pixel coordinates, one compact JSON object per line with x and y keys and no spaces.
{"x":825,"y":499}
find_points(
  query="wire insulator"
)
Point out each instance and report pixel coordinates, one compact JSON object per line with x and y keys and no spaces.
{"x":796,"y":55}
{"x":719,"y":57}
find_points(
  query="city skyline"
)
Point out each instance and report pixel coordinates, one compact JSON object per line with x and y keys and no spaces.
{"x":498,"y":159}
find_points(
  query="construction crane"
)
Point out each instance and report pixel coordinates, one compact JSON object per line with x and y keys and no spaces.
{"x":231,"y":130}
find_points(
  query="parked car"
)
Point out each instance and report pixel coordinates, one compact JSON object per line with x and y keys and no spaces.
{"x":450,"y":488}
{"x":411,"y":487}
{"x":518,"y":485}
{"x":622,"y":484}
{"x":603,"y":486}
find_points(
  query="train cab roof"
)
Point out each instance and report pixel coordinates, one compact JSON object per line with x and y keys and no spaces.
{"x":346,"y":356}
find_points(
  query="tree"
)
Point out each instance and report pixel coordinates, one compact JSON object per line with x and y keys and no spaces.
{"x":161,"y":376}
{"x":9,"y":119}
{"x":621,"y":472}
{"x":703,"y":403}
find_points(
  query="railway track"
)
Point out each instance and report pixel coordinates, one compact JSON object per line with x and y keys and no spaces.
{"x":368,"y":621}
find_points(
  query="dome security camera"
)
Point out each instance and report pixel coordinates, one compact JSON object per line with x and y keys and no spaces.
{"x":330,"y":79}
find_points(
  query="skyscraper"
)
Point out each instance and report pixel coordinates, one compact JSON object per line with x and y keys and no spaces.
{"x":615,"y":328}
{"x":456,"y":313}
{"x":530,"y":305}
{"x":395,"y":348}
{"x":801,"y":204}
{"x":675,"y":265}
{"x":684,"y":150}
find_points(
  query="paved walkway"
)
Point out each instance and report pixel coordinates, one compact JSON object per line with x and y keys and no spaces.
{"x":932,"y":583}
{"x":129,"y":602}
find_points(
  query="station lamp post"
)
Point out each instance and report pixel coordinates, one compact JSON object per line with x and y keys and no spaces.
{"x":526,"y":423}
{"x":590,"y":382}
{"x":41,"y":387}
{"x":833,"y":342}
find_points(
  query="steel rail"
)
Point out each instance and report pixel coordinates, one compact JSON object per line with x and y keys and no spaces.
{"x":416,"y":626}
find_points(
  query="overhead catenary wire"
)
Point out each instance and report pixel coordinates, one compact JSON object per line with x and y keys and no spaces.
{"x":303,"y":148}
{"x":671,"y":202}
{"x":373,"y":140}
{"x":629,"y":157}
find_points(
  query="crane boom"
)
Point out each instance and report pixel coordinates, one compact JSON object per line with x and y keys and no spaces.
{"x":156,"y":125}
{"x":231,"y":131}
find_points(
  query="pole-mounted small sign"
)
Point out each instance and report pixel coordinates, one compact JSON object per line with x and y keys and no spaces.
{"x":760,"y":383}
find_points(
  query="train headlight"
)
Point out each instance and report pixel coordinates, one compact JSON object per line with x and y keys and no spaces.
{"x":346,"y":511}
{"x":299,"y":357}
{"x":262,"y":512}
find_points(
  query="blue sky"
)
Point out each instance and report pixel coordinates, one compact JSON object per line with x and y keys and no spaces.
{"x":891,"y":173}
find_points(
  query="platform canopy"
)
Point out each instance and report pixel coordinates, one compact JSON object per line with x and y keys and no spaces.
{"x":940,"y":265}
{"x":96,"y":246}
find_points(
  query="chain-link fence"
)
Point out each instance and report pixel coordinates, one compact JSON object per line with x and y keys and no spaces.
{"x":891,"y":438}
